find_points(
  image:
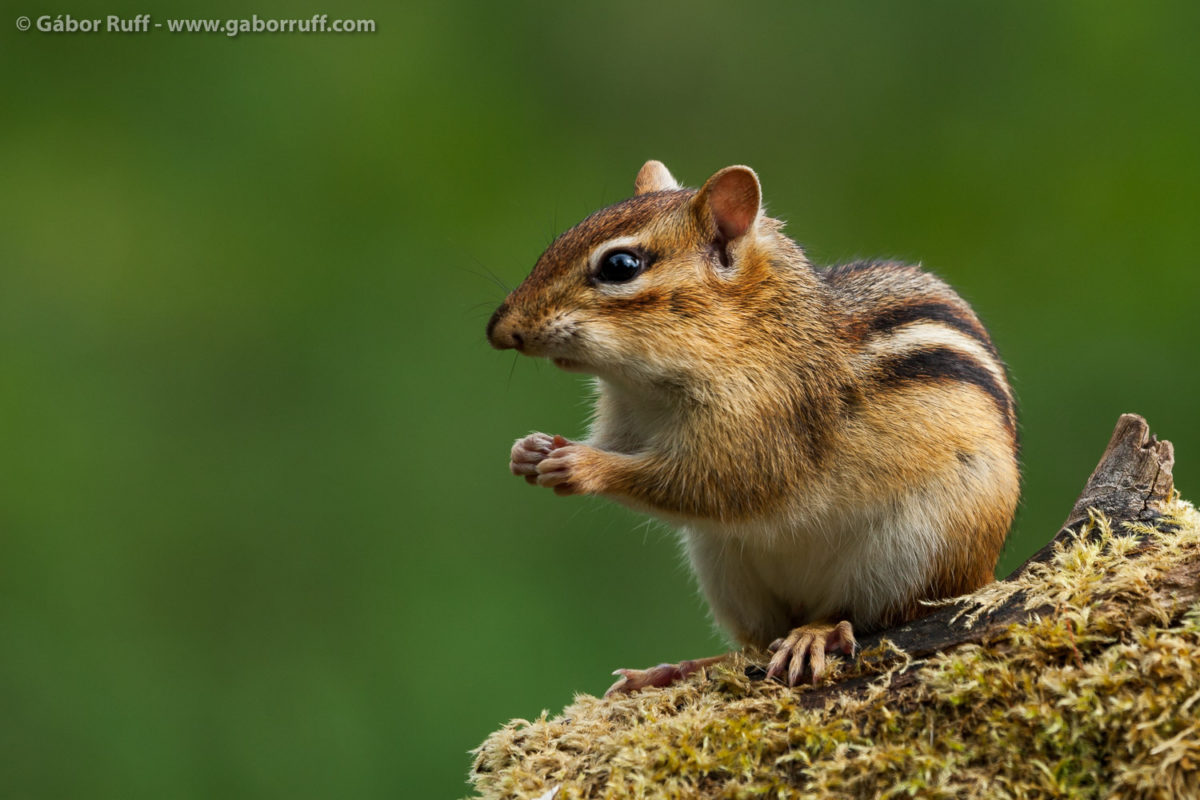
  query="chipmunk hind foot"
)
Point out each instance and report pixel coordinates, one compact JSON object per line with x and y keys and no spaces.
{"x":805,"y":648}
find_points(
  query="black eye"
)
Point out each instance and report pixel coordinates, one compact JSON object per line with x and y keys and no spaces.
{"x":619,"y":266}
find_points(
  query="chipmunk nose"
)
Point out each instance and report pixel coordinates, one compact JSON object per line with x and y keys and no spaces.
{"x":501,"y":332}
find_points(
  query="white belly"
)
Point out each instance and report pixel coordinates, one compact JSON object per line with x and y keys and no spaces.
{"x":765,"y":577}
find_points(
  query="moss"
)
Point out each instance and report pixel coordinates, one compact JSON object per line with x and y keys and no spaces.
{"x":1099,"y":698}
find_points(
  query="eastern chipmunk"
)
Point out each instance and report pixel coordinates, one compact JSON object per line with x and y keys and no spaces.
{"x":835,"y":445}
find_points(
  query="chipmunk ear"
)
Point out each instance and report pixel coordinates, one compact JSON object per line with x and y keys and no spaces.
{"x":653,"y":177}
{"x":731,"y":200}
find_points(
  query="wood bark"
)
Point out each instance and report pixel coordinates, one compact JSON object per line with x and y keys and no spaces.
{"x":1132,"y":483}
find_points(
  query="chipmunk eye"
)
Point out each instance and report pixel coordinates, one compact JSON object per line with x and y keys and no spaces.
{"x":619,"y":266}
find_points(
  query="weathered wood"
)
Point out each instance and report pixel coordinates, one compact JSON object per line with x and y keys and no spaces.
{"x":1132,"y":483}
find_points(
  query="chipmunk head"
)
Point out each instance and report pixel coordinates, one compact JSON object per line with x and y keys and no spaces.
{"x":641,"y":287}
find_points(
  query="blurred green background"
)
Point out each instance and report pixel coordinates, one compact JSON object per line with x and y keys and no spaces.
{"x":257,"y":538}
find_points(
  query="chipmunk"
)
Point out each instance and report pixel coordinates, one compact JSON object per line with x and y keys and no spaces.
{"x":835,"y":445}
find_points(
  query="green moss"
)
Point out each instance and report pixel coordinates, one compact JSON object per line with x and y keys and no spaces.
{"x":1099,"y":698}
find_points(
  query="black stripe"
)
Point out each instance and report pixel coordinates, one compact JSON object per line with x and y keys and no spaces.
{"x":947,"y":314}
{"x":843,"y":270}
{"x":944,"y":364}
{"x":649,"y":299}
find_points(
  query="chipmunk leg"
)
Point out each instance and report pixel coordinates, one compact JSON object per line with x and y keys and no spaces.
{"x":807,"y":646}
{"x":663,"y":675}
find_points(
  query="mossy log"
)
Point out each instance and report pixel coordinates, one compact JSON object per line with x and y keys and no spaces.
{"x":1078,"y":675}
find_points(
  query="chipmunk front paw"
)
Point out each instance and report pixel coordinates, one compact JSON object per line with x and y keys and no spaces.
{"x":570,"y":468}
{"x":527,"y":453}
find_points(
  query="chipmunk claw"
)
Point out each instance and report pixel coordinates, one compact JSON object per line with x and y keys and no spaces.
{"x":660,"y":676}
{"x":806,"y":647}
{"x":633,"y":680}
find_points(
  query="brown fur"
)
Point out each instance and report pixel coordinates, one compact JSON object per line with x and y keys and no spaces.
{"x":740,"y":384}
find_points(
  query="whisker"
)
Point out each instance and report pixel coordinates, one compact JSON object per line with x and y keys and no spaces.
{"x":511,"y":370}
{"x":493,"y":275}
{"x":490,"y":276}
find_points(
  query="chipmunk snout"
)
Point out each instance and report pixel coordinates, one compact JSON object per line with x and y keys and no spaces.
{"x":502,"y":333}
